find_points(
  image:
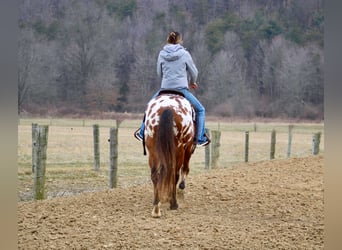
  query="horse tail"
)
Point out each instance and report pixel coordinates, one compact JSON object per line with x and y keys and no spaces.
{"x":166,"y":151}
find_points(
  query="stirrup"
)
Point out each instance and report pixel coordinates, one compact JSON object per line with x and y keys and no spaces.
{"x":137,"y":135}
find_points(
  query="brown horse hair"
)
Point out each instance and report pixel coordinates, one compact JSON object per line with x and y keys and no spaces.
{"x":166,"y":151}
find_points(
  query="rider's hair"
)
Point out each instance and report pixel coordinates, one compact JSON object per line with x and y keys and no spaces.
{"x":174,"y":37}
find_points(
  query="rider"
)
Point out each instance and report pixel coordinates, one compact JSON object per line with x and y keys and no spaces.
{"x":173,"y":66}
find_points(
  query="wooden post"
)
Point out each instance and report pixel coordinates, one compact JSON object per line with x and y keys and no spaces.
{"x":96,"y":147}
{"x":246,"y":145}
{"x":39,"y":171}
{"x":207,"y":152}
{"x":113,"y":167}
{"x":273,"y":142}
{"x":215,"y":147}
{"x":34,"y":145}
{"x":289,"y":141}
{"x":316,"y":139}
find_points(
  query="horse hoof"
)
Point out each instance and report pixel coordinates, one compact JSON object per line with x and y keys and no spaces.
{"x":156,"y":214}
{"x":182,"y":185}
{"x":174,"y":206}
{"x":156,"y":211}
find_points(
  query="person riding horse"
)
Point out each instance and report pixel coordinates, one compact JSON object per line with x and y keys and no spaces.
{"x":173,"y":65}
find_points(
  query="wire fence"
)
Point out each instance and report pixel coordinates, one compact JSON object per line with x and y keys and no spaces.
{"x":70,"y":152}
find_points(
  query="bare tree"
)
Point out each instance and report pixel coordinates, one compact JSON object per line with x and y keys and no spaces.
{"x":227,"y":75}
{"x":287,"y":77}
{"x":78,"y":51}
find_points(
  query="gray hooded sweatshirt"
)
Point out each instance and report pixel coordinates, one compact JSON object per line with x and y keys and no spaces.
{"x":173,"y":64}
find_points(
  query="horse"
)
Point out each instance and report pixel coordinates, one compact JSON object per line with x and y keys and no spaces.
{"x":169,"y":139}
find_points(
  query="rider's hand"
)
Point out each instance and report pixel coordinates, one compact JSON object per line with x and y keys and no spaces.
{"x":193,"y":85}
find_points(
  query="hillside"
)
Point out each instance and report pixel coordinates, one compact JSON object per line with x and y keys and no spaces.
{"x":255,"y":58}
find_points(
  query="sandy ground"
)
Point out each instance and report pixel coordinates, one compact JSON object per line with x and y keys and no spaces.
{"x":267,"y":205}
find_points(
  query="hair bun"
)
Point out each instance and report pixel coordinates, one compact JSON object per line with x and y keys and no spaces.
{"x":173,"y":37}
{"x":173,"y":34}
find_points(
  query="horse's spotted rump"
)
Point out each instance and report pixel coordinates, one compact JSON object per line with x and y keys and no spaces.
{"x":182,"y":113}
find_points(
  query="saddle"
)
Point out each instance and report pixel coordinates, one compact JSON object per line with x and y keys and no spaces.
{"x":170,"y":91}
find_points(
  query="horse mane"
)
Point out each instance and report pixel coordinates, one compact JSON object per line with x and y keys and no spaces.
{"x":165,"y":147}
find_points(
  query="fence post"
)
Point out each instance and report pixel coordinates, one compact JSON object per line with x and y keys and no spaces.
{"x":289,"y":141}
{"x":273,"y":142}
{"x":316,"y":139}
{"x":207,"y":152}
{"x":215,"y":147}
{"x":96,"y":147}
{"x":246,"y":145}
{"x":34,"y":145}
{"x":113,"y":167}
{"x":40,"y":164}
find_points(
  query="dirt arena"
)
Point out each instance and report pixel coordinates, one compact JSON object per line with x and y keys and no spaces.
{"x":274,"y":204}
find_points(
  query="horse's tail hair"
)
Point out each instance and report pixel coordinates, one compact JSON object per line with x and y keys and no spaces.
{"x":166,"y":151}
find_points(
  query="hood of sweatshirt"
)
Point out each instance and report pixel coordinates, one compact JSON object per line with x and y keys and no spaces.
{"x":172,"y":52}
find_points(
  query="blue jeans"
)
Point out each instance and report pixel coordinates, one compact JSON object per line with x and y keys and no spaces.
{"x":200,"y":115}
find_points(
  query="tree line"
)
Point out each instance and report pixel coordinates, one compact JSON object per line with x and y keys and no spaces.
{"x":260,"y":58}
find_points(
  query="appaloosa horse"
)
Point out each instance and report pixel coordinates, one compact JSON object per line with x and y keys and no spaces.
{"x":169,"y":139}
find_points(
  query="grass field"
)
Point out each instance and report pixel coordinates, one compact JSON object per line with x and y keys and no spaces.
{"x":70,"y":152}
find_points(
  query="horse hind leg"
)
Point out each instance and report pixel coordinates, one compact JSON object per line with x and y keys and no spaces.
{"x":175,"y":191}
{"x":184,"y":170}
{"x":184,"y":173}
{"x":156,"y":210}
{"x":173,"y":201}
{"x":180,"y":179}
{"x":181,"y":185}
